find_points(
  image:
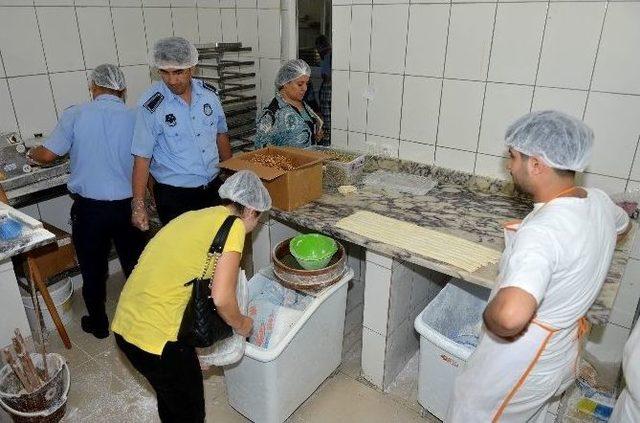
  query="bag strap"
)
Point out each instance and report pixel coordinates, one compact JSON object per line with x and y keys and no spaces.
{"x":215,"y":250}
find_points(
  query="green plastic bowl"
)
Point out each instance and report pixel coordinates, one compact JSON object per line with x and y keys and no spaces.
{"x":313,"y":251}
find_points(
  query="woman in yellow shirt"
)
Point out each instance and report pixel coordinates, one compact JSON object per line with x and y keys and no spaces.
{"x":153,"y":300}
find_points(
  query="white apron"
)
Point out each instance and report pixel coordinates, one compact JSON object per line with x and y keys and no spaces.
{"x":512,"y":381}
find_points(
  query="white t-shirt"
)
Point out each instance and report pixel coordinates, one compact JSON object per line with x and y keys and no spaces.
{"x":561,"y":255}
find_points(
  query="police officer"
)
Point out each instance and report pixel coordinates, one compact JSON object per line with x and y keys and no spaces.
{"x":97,"y":135}
{"x":180,"y":137}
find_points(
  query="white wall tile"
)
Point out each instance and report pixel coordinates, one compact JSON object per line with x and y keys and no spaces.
{"x":389,"y":38}
{"x":455,"y":159}
{"x":138,"y":80}
{"x":16,"y":2}
{"x":570,"y":42}
{"x":607,"y":342}
{"x":608,"y":184}
{"x":7,"y":115}
{"x":469,"y":40}
{"x":268,"y":4}
{"x":503,"y":104}
{"x":60,"y":38}
{"x":618,"y":64}
{"x":428,"y":26}
{"x":269,"y":33}
{"x":360,"y":37}
{"x":376,"y":297}
{"x":382,"y":146}
{"x":183,"y":3}
{"x":460,"y":114}
{"x":69,"y":88}
{"x":571,"y":102}
{"x":420,"y":104}
{"x":341,"y":18}
{"x":96,"y":32}
{"x":373,"y":350}
{"x":227,"y":3}
{"x":130,"y":38}
{"x":516,"y":42}
{"x":268,"y":70}
{"x":340,"y":99}
{"x":127,"y":3}
{"x":210,"y":26}
{"x":385,"y":105}
{"x":339,"y":138}
{"x":2,"y":74}
{"x":185,"y":23}
{"x":416,"y":152}
{"x":358,"y":83}
{"x":248,"y":28}
{"x":33,"y":104}
{"x":92,"y":2}
{"x":615,"y":120}
{"x":155,"y":3}
{"x":357,"y":142}
{"x":24,"y":57}
{"x":211,"y":3}
{"x":229,"y":25}
{"x":492,"y":166}
{"x":157,"y":23}
{"x":246,"y":3}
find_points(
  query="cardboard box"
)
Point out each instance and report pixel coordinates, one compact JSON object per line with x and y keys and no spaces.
{"x":288,"y":189}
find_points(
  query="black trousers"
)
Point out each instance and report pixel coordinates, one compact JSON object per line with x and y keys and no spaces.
{"x":175,"y":376}
{"x":95,"y":224}
{"x":172,"y":201}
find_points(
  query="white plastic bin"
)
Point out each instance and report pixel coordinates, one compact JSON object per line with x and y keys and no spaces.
{"x":267,"y":385}
{"x":456,"y":310}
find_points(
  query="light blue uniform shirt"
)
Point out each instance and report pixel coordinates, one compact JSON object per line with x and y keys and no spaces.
{"x":97,"y":135}
{"x":179,"y":138}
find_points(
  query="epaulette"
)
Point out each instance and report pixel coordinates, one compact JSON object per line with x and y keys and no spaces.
{"x":153,"y":102}
{"x":210,"y":87}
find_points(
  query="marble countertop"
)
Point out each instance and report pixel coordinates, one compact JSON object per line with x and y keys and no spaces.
{"x":33,"y":234}
{"x":462,"y":205}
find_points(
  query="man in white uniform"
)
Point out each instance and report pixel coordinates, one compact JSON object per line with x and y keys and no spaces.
{"x":553,"y":266}
{"x":628,"y":406}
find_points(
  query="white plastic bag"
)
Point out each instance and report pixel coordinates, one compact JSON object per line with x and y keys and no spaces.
{"x":229,"y":350}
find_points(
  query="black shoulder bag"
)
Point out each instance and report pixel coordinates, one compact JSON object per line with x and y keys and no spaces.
{"x":201,"y":324}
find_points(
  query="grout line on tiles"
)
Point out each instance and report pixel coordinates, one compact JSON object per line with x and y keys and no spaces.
{"x":366,"y":110}
{"x":595,"y":59}
{"x":84,"y":59}
{"x":349,"y":68}
{"x":486,"y":84}
{"x":633,"y":161}
{"x":46,"y":63}
{"x":444,"y":69}
{"x":544,"y":30}
{"x":404,"y":67}
{"x":113,"y":28}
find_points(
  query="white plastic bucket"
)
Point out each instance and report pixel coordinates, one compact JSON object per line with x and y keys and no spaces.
{"x":62,"y":295}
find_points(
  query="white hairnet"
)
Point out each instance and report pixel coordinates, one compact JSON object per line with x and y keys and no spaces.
{"x":291,"y":70}
{"x":173,"y":53}
{"x":562,"y":141}
{"x":246,"y":188}
{"x":108,"y":76}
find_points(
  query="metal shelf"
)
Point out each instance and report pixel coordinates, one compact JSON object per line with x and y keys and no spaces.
{"x":234,"y":79}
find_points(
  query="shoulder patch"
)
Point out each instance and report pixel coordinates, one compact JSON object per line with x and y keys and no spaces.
{"x":153,"y":102}
{"x":210,"y":87}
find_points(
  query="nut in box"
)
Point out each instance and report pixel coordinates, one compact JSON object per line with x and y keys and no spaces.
{"x":341,"y":168}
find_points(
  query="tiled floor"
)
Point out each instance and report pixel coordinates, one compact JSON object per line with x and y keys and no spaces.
{"x":105,"y":388}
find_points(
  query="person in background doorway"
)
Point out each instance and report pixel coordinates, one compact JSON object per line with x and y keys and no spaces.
{"x":287,"y":120}
{"x":153,"y":300}
{"x":553,"y":266}
{"x":97,"y":135}
{"x":324,"y":94}
{"x":180,"y":137}
{"x":627,"y":408}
